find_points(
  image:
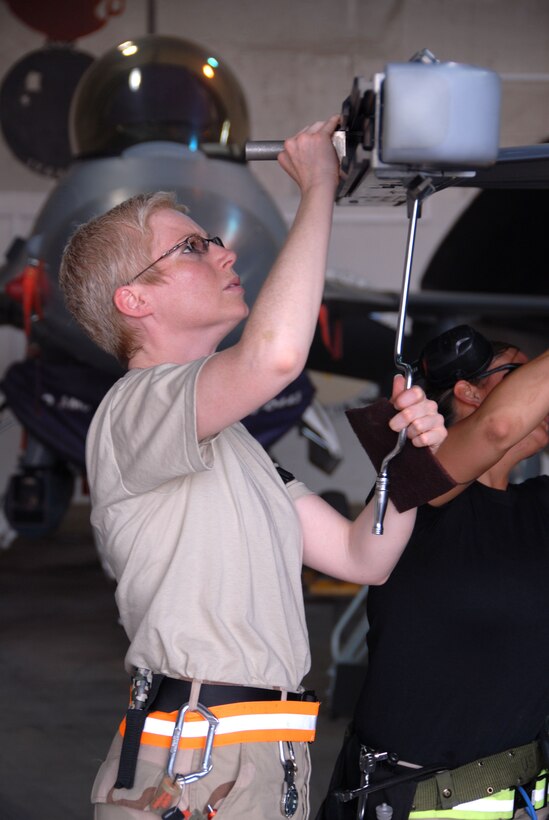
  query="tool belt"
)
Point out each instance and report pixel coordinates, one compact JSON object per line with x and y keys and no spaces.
{"x":243,"y":714}
{"x":485,"y":786}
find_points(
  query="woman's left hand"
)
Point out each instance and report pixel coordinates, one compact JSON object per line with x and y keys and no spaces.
{"x":418,"y":414}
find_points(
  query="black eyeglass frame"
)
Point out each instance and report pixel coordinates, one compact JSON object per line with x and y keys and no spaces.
{"x":508,"y":366}
{"x":216,"y":240}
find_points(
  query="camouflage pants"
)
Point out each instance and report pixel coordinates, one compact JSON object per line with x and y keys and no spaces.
{"x":246,"y":781}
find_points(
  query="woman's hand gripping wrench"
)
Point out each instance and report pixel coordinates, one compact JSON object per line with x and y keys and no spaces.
{"x":270,"y":149}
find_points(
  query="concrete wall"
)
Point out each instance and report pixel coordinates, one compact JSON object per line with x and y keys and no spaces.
{"x":296,"y":62}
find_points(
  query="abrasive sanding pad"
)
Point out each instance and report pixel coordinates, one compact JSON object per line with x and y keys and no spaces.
{"x":415,"y":475}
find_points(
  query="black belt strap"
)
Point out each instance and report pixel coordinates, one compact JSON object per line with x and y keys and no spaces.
{"x":135,"y":721}
{"x":174,"y":693}
{"x":168,"y":695}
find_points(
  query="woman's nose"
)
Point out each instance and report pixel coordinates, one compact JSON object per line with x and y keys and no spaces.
{"x":226,"y":255}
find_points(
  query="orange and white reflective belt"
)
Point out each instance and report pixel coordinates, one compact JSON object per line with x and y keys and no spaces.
{"x":250,"y":722}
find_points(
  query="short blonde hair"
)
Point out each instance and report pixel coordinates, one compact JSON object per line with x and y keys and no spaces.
{"x":104,"y":254}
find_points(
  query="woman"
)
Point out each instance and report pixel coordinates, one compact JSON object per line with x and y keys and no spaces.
{"x":459,"y":635}
{"x":205,"y":538}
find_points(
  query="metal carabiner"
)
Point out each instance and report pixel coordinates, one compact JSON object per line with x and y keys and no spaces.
{"x":213,"y":722}
{"x":290,"y":797}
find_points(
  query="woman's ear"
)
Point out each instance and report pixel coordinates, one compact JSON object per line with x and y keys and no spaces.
{"x":467,"y":393}
{"x":131,"y":302}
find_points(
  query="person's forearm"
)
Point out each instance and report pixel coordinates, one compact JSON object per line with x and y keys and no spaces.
{"x":519,"y":402}
{"x":275,"y":342}
{"x":349,"y":550}
{"x":281,"y":325}
{"x":375,"y":556}
{"x":509,"y":413}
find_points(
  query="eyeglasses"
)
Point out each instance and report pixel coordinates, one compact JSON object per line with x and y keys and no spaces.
{"x":192,"y":244}
{"x":509,"y":366}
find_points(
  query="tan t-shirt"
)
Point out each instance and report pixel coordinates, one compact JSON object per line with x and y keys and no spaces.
{"x":203,"y":537}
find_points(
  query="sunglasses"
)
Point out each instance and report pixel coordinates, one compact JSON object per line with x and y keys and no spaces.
{"x":192,"y":244}
{"x":509,"y":366}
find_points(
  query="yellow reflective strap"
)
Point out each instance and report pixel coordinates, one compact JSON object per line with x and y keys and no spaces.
{"x":498,"y":806}
{"x":456,"y":814}
{"x":540,"y":792}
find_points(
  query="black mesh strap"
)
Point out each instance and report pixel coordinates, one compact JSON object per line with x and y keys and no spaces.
{"x":135,"y":721}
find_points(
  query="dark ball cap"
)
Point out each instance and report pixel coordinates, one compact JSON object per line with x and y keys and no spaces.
{"x":459,"y":353}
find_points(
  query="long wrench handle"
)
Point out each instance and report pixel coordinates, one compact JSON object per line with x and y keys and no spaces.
{"x":263,"y":149}
{"x":270,"y":149}
{"x":416,"y":194}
